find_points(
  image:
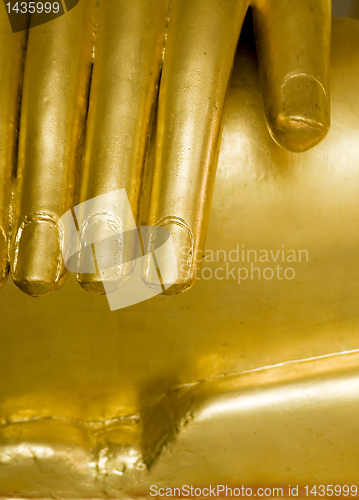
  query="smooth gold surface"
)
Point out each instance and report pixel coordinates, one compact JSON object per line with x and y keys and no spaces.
{"x":11,"y":65}
{"x":251,"y":383}
{"x":54,"y":104}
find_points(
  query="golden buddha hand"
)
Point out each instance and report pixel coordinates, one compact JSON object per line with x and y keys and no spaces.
{"x":293,"y":41}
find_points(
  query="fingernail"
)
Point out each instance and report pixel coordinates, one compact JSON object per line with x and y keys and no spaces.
{"x":4,"y":264}
{"x":37,"y":267}
{"x":302,"y":119}
{"x":174,"y":267}
{"x":104,"y":256}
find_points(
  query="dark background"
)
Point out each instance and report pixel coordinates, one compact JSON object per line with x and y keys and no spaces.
{"x":346,"y":8}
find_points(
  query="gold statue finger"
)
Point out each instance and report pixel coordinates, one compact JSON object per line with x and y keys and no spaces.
{"x":54,"y":104}
{"x":128,"y":58}
{"x":293,"y":45}
{"x":202,"y":41}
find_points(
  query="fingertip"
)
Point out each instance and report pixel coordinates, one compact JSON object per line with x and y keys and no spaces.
{"x":180,"y":287}
{"x":106,"y":265}
{"x":174,"y":266}
{"x":37,"y":267}
{"x":35,"y":287}
{"x":300,"y":119}
{"x":95,"y":284}
{"x":91,"y":284}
